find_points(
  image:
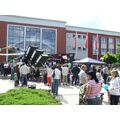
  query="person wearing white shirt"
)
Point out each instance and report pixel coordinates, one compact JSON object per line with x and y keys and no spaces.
{"x":83,"y":75}
{"x":56,"y":80}
{"x":65,"y":71}
{"x":114,"y":88}
{"x":105,"y":73}
{"x":24,"y":70}
{"x":99,"y":76}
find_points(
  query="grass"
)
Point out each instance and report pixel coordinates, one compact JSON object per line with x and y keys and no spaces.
{"x":27,"y":96}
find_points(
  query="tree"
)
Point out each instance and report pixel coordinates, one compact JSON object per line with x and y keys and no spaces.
{"x":109,"y":58}
{"x":118,"y":53}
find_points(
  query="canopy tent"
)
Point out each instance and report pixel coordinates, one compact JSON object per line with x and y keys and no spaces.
{"x":89,"y":61}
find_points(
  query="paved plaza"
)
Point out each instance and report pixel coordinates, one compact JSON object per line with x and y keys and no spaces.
{"x":69,"y":95}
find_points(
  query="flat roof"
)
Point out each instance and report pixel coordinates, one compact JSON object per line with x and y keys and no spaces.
{"x":31,"y":20}
{"x":91,"y":30}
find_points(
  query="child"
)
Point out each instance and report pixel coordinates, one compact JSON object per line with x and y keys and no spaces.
{"x":15,"y":78}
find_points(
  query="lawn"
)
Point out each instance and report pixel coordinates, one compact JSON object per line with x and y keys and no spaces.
{"x":27,"y":96}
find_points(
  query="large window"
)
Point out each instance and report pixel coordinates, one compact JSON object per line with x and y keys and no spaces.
{"x":16,"y":36}
{"x":32,"y":37}
{"x":23,"y":36}
{"x":48,"y":40}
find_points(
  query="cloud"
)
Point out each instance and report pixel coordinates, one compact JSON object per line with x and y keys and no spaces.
{"x":100,"y":14}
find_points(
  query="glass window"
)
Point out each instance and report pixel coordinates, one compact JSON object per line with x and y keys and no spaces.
{"x":111,"y":40}
{"x":48,"y":40}
{"x":103,"y":51}
{"x":16,"y":36}
{"x":103,"y":40}
{"x":117,"y":41}
{"x":32,"y":37}
{"x":84,"y":36}
{"x":68,"y":35}
{"x":111,"y":51}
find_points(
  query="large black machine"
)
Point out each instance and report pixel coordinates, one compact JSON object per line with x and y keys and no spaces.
{"x":34,"y":56}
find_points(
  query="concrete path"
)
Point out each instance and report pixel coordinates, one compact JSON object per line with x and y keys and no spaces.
{"x":69,"y":95}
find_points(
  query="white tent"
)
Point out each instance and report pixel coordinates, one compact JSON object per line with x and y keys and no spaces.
{"x":89,"y":61}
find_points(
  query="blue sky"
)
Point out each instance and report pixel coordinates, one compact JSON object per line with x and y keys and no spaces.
{"x":100,"y":14}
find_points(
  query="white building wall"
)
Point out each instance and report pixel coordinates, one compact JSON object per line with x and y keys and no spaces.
{"x":80,"y":51}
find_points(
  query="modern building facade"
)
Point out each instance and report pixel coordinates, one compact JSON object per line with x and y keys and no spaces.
{"x":54,"y":37}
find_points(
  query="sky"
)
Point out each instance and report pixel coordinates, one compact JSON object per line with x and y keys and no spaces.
{"x":99,"y":14}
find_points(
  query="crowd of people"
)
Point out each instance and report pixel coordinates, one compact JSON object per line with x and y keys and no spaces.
{"x":94,"y":78}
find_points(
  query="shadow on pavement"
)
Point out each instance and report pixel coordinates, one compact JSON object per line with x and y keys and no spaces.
{"x":61,"y":98}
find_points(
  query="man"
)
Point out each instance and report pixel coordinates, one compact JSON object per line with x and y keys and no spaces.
{"x":56,"y":80}
{"x":24,"y":70}
{"x":105,"y":74}
{"x":83,"y":75}
{"x":75,"y":77}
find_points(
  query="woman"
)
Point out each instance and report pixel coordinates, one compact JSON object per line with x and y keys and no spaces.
{"x":114,"y":88}
{"x":93,"y":88}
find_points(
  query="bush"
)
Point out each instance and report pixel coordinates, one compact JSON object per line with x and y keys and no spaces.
{"x":26,"y":96}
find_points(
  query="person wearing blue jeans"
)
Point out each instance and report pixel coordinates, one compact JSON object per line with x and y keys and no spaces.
{"x":55,"y":85}
{"x":24,"y":80}
{"x":56,"y":80}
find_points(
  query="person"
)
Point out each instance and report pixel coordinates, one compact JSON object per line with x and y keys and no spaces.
{"x":105,"y":73}
{"x":18,"y":74}
{"x":65,"y":71}
{"x":15,"y":78}
{"x":56,"y":79}
{"x":45,"y":75}
{"x":99,"y":75}
{"x":49,"y":75}
{"x":114,"y":88}
{"x":24,"y":70}
{"x":83,"y":75}
{"x":37,"y":74}
{"x":6,"y":66}
{"x":75,"y":77}
{"x":93,"y":88}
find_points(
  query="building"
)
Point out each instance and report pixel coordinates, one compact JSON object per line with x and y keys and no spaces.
{"x":55,"y":37}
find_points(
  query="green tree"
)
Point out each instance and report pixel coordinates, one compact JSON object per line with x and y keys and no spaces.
{"x":118,"y":53}
{"x":109,"y":58}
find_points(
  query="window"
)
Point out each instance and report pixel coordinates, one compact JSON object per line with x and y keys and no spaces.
{"x":111,"y":51}
{"x":84,"y":36}
{"x":79,"y":36}
{"x":48,"y":40}
{"x":84,"y":48}
{"x":103,"y":40}
{"x":68,"y":35}
{"x":103,"y":51}
{"x":111,"y":40}
{"x":32,"y":37}
{"x":117,"y":41}
{"x":16,"y":36}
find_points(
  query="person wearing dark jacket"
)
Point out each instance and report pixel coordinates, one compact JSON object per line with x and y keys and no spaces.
{"x":75,"y":77}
